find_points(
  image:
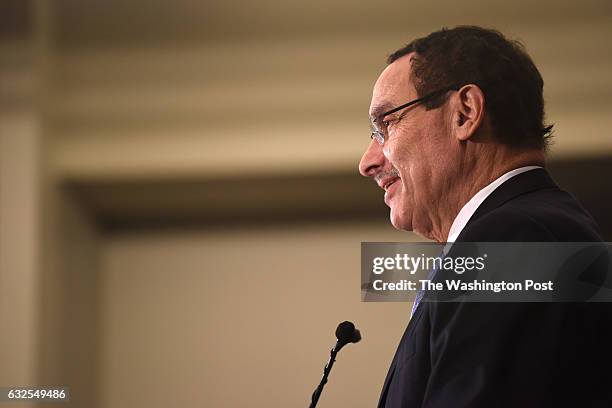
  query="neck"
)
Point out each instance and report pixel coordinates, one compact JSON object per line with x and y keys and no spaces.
{"x":471,"y":176}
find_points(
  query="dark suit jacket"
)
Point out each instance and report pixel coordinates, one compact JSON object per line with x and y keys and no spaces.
{"x":509,"y":354}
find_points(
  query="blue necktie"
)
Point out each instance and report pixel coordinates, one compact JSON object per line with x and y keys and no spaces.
{"x":420,"y":293}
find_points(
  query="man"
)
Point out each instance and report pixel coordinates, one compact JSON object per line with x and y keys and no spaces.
{"x":459,"y":146}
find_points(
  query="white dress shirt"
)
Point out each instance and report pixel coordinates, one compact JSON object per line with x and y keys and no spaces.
{"x":472,"y":205}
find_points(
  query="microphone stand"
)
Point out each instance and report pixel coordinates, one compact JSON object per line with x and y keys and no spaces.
{"x":317,"y":392}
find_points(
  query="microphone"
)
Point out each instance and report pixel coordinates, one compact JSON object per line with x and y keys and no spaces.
{"x":345,"y":333}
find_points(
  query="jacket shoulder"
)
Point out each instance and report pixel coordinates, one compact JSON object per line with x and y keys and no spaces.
{"x":506,"y":224}
{"x":548,"y":215}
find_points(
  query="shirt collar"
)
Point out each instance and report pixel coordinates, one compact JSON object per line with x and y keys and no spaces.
{"x":472,"y":205}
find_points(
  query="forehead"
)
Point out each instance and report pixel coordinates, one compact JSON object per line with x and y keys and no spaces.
{"x":393,"y":87}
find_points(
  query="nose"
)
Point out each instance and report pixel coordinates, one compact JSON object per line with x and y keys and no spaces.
{"x":372,"y":161}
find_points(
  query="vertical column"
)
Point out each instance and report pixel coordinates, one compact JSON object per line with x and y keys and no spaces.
{"x":19,"y":201}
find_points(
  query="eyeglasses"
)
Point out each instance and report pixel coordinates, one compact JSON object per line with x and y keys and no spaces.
{"x":379,"y":126}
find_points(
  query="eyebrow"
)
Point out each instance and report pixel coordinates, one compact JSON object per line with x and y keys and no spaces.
{"x":380,"y":108}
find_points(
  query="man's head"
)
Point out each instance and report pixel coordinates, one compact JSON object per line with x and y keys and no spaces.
{"x":482,"y":113}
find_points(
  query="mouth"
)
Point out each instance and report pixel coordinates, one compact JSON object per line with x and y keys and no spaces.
{"x":390,"y":186}
{"x":386,"y":181}
{"x":389,"y":183}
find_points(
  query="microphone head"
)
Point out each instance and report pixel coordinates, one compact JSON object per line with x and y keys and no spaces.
{"x":346,"y":333}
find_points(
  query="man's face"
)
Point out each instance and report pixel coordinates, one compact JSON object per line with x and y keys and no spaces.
{"x":414,"y":161}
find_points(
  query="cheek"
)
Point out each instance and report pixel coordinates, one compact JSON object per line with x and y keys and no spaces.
{"x":397,"y":160}
{"x":404,"y":146}
{"x":415,"y":177}
{"x":398,"y":154}
{"x":402,"y":159}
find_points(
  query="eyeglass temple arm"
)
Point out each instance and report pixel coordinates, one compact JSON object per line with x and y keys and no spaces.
{"x":428,"y":96}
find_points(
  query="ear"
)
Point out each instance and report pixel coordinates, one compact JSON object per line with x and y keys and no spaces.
{"x":468,"y":111}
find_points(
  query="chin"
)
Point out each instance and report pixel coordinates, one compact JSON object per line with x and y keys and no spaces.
{"x":400,"y":221}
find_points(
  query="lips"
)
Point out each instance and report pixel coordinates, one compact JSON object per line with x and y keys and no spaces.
{"x":389,"y":184}
{"x":386,"y":182}
{"x":390,"y":187}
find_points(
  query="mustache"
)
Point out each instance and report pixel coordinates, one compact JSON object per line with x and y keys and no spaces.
{"x":386,"y":174}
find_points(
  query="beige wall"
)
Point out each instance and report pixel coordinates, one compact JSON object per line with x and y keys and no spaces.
{"x":243,"y":316}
